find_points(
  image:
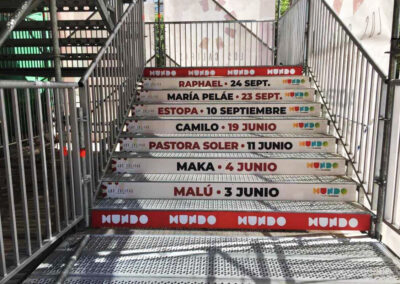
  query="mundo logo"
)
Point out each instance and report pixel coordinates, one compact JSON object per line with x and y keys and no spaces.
{"x":293,"y":81}
{"x":297,"y":95}
{"x":322,"y":165}
{"x":314,"y":144}
{"x":330,"y":191}
{"x":306,"y":125}
{"x":301,"y":109}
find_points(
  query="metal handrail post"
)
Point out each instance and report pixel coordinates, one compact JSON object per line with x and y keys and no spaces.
{"x":387,"y":122}
{"x":307,"y":36}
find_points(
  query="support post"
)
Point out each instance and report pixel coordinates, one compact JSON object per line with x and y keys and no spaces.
{"x":307,"y":36}
{"x":56,"y":43}
{"x":105,"y":15}
{"x":387,"y":123}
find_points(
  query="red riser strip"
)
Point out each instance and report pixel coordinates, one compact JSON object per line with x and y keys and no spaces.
{"x":229,"y":220}
{"x":224,"y":71}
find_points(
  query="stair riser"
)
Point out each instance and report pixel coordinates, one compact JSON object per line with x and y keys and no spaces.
{"x":216,"y":96}
{"x":230,"y":166}
{"x":193,"y":110}
{"x":212,"y":144}
{"x":142,"y":219}
{"x":223,"y":71}
{"x":228,"y":126}
{"x":229,"y":191}
{"x":250,"y":83}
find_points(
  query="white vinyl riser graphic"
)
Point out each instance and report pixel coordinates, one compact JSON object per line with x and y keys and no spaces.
{"x":227,"y":165}
{"x":233,"y":191}
{"x":232,"y":95}
{"x":227,"y":82}
{"x":224,"y":109}
{"x":228,"y":125}
{"x":226,"y":144}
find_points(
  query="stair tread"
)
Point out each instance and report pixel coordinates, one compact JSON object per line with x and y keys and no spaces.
{"x":226,"y":135}
{"x":158,"y":155}
{"x":222,"y":178}
{"x":170,"y":257}
{"x":227,"y":118}
{"x":229,"y":205}
{"x":200,"y":103}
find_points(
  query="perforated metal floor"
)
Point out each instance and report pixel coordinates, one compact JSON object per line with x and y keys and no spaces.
{"x":229,"y":205}
{"x":229,"y":103}
{"x":213,"y":118}
{"x":221,"y":155}
{"x":219,"y":259}
{"x":223,"y":178}
{"x":225,"y":135}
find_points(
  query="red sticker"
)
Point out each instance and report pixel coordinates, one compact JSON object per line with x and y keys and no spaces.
{"x":229,"y":220}
{"x":65,"y":150}
{"x":224,"y":71}
{"x":83,"y":153}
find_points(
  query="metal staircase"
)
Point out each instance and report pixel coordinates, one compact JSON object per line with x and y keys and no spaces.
{"x":254,"y":174}
{"x":253,"y":157}
{"x":83,"y":28}
{"x":285,"y":178}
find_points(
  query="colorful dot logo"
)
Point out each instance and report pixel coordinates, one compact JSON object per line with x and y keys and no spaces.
{"x":322,"y":165}
{"x":293,"y":81}
{"x":314,"y":144}
{"x":330,"y":191}
{"x":297,"y":95}
{"x":302,"y":109}
{"x":306,"y":125}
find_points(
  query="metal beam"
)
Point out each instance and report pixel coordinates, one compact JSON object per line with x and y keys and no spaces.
{"x":26,"y":7}
{"x":105,"y":15}
{"x":56,"y":43}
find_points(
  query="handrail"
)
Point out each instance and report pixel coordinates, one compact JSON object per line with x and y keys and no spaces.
{"x":9,"y":84}
{"x":355,"y":40}
{"x":213,"y":22}
{"x":108,"y":42}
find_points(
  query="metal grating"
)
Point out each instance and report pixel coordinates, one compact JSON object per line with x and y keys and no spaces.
{"x":213,"y":118}
{"x":216,"y":155}
{"x":229,"y":205}
{"x":226,"y":135}
{"x":223,"y":178}
{"x":227,"y":103}
{"x":171,"y":259}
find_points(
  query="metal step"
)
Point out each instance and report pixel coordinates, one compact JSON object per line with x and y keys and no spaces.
{"x":47,"y":56}
{"x":215,"y":96}
{"x":42,"y":72}
{"x":172,"y":258}
{"x":227,"y":109}
{"x":62,"y":25}
{"x":250,"y":124}
{"x":62,"y":5}
{"x":223,"y":71}
{"x":229,"y":214}
{"x":228,"y":187}
{"x":48,"y":42}
{"x":265,"y":83}
{"x":230,"y":163}
{"x":130,"y":142}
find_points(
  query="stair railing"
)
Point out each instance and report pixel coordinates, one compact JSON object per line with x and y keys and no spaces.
{"x":107,"y":91}
{"x":358,"y":98}
{"x":41,"y":196}
{"x":210,"y":43}
{"x":56,"y":141}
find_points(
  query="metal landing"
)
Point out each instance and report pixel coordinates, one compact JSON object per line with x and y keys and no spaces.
{"x":153,"y":258}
